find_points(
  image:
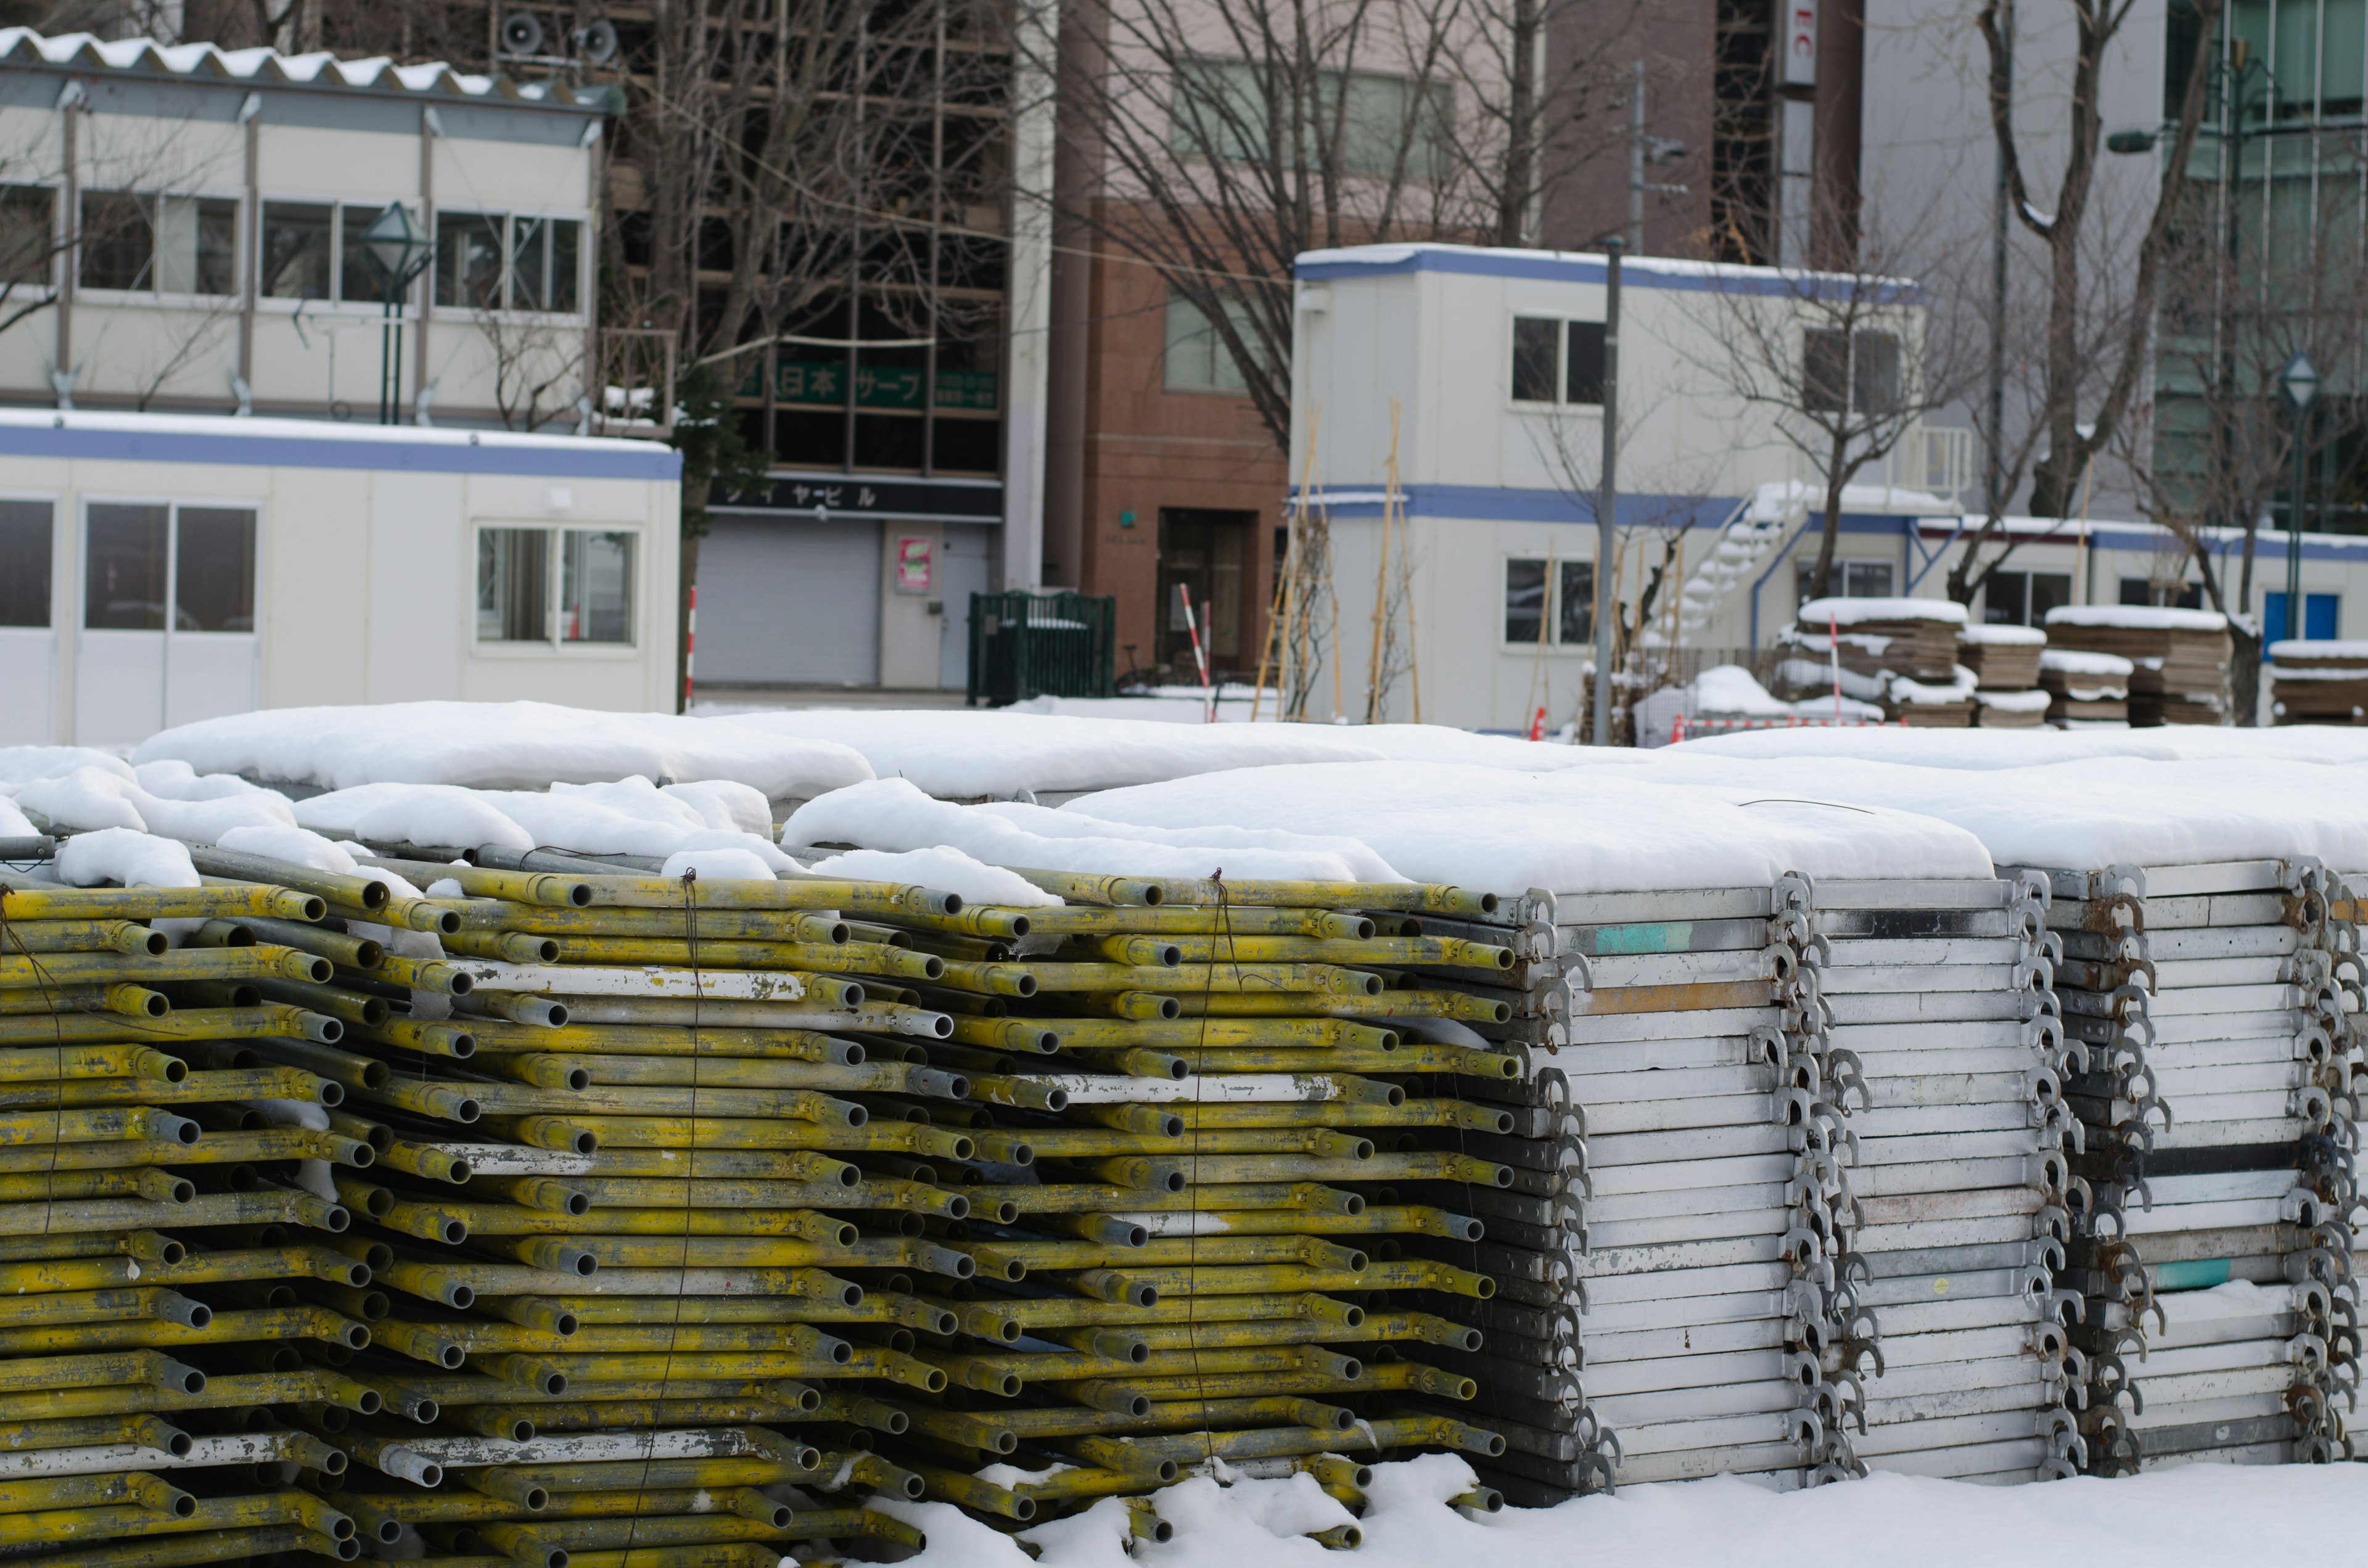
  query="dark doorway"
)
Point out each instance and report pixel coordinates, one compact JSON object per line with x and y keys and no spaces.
{"x":1207,"y":553}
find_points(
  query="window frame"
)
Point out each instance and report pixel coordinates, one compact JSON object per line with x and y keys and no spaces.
{"x":102,"y":294}
{"x":508,"y":220}
{"x":78,"y":581}
{"x":1551,"y":610}
{"x":1561,"y":402}
{"x":554,"y":644}
{"x":59,"y":551}
{"x":1219,"y":354}
{"x":60,"y":256}
{"x":407,"y":307}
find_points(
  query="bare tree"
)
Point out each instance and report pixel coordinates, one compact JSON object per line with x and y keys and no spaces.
{"x":1839,"y":361}
{"x":531,"y":354}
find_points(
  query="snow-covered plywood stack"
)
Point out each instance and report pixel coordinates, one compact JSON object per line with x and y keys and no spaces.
{"x":2004,"y":662}
{"x":1901,"y":653}
{"x":1943,"y":1032}
{"x":2320,"y":683}
{"x":2180,"y":656}
{"x":2086,"y":690}
{"x":2212,"y":1058}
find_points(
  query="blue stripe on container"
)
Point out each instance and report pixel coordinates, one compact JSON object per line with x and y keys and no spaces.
{"x":230,"y":446}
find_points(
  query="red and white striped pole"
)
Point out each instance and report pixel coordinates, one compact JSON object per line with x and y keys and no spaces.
{"x":689,"y":647}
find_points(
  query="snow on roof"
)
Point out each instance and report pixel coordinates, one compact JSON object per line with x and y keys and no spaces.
{"x":2142,"y":618}
{"x":264,"y":67}
{"x":2002,"y":636}
{"x":1858,"y":612}
{"x":1772,"y":501}
{"x":1583,"y":830}
{"x":501,"y":745}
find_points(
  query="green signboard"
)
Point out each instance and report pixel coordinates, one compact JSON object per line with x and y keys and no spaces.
{"x":876,"y":386}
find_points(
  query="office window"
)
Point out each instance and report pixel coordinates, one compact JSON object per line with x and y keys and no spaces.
{"x":2023,"y":598}
{"x":119,"y":251}
{"x":1860,"y":371}
{"x":124,"y":574}
{"x":1577,"y":589}
{"x":1525,"y":600}
{"x":2144,"y":590}
{"x":513,"y":585}
{"x":1557,"y":361}
{"x":169,"y":244}
{"x":596,"y":587}
{"x":296,"y":250}
{"x":523,"y":573}
{"x":543,"y":262}
{"x":26,"y":527}
{"x":1850,"y":579}
{"x":1197,"y":359}
{"x":27,"y":230}
{"x":1221,"y":109}
{"x":2322,"y":614}
{"x":469,"y":259}
{"x":213,"y":570}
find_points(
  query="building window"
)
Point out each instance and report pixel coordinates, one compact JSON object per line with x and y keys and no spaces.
{"x":1848,"y":580}
{"x":1858,"y":371}
{"x":587,"y":573}
{"x":2023,"y":598}
{"x":492,"y":261}
{"x":207,"y":553}
{"x":1197,"y":359}
{"x":2322,"y":615}
{"x":26,"y":529}
{"x":2146,"y":591}
{"x":27,"y":235}
{"x":1557,"y":361}
{"x":164,"y":245}
{"x":1368,"y":120}
{"x":296,"y":250}
{"x":1570,"y":607}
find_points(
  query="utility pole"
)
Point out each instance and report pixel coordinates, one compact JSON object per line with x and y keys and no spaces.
{"x":1607,"y":493}
{"x":2002,"y":219}
{"x":1645,"y":149}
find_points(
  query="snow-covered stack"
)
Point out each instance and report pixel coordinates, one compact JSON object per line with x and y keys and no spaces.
{"x":2320,"y":683}
{"x":2180,"y":656}
{"x":2211,"y":1059}
{"x":2004,"y":662}
{"x":1900,"y":652}
{"x":2086,"y":690}
{"x":1944,"y":1030}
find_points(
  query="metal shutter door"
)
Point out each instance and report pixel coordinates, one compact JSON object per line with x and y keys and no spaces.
{"x":789,"y":602}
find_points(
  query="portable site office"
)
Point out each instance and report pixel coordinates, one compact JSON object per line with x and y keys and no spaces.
{"x":157,"y":569}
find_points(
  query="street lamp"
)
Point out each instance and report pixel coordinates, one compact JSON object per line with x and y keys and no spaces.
{"x":396,"y":248}
{"x":2300,"y":382}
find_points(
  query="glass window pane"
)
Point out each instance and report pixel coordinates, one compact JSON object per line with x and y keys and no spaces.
{"x":1533,"y":358}
{"x":213,"y":570}
{"x":2048,"y":589}
{"x":596,"y":587}
{"x":1825,"y":371}
{"x":118,"y":245}
{"x":1874,"y":381}
{"x":530,"y":264}
{"x":1525,"y":597}
{"x":469,"y":260}
{"x":1197,"y":357}
{"x":1578,"y":615}
{"x":217,"y":245}
{"x":2341,"y":61}
{"x":1869,"y":580}
{"x":295,"y":251}
{"x":25,"y":531}
{"x":123,"y":577}
{"x":1582,"y":376}
{"x":513,"y":569}
{"x":566,"y":294}
{"x":355,"y":281}
{"x":2002,"y":599}
{"x":27,"y":234}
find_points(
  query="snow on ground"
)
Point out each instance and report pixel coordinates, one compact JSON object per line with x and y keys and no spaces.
{"x":1582,"y":830}
{"x":499,"y":745}
{"x":2028,"y":748}
{"x":2205,"y":1516}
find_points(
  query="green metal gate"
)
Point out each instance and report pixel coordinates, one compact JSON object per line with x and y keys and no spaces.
{"x":1052,"y":644}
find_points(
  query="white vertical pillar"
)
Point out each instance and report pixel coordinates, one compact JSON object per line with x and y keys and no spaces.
{"x":1796,"y":130}
{"x":1027,"y":296}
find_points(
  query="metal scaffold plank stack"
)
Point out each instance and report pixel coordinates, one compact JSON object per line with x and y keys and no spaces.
{"x":2214,"y":1003}
{"x":678,"y":1218}
{"x":1944,"y":1030}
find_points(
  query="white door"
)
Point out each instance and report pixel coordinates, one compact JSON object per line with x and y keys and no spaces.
{"x":963,"y":569}
{"x":28,"y":640}
{"x":168,"y":618}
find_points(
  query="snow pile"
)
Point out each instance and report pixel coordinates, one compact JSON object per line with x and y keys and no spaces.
{"x":298,"y":846}
{"x":1582,"y":830}
{"x":947,"y":871}
{"x":413,"y":813}
{"x":97,"y":798}
{"x":122,"y":855}
{"x":2027,"y":748}
{"x":2138,"y":618}
{"x":2205,"y":1515}
{"x":628,"y":816}
{"x":2079,"y":662}
{"x":962,"y":753}
{"x":892,"y":814}
{"x":22,"y":765}
{"x":13,"y":823}
{"x":718,"y":865}
{"x":2002,"y":636}
{"x":1921,"y":694}
{"x":501,"y":745}
{"x":177,"y":780}
{"x":2014,"y":702}
{"x":2283,"y":648}
{"x":1858,"y":612}
{"x":631,"y":816}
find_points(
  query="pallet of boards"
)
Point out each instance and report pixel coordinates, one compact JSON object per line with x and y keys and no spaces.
{"x":1939,"y":1017}
{"x":2181,"y":657}
{"x":2319,"y":683}
{"x":2086,"y":690}
{"x":784,"y":1195}
{"x":2003,"y":658}
{"x":1863,"y":643}
{"x":2208,"y":1016}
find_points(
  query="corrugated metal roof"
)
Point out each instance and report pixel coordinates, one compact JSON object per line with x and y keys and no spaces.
{"x":266,"y":67}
